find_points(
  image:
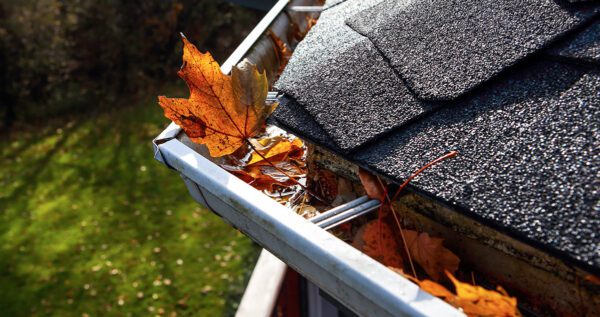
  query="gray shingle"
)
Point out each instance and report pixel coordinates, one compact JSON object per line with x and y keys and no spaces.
{"x":443,"y":49}
{"x":528,"y":136}
{"x":585,"y":45}
{"x":331,"y":3}
{"x":357,"y":97}
{"x":293,"y":117}
{"x":324,"y":41}
{"x":529,"y":157}
{"x":345,"y":84}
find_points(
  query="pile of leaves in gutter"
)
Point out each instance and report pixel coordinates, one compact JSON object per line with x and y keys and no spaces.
{"x":414,"y":254}
{"x":227,"y":115}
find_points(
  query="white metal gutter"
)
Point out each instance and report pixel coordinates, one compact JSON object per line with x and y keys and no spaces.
{"x":360,"y":283}
{"x":256,"y":33}
{"x":354,"y":279}
{"x":263,"y":288}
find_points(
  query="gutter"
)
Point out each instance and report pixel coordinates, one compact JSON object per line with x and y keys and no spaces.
{"x":357,"y":281}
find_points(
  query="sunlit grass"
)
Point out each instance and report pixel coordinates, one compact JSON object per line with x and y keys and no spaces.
{"x":91,"y":225}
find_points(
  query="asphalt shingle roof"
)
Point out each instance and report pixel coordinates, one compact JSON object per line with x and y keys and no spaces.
{"x":528,"y":159}
{"x":584,"y":46}
{"x":370,"y":83}
{"x":443,"y":49}
{"x":332,"y":3}
{"x":524,"y":112}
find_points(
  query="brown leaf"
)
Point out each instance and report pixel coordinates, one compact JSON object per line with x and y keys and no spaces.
{"x":326,"y":184}
{"x":371,"y":184}
{"x":473,"y":300}
{"x":266,"y":177}
{"x":300,"y":34}
{"x":282,"y":51}
{"x":222,"y":111}
{"x":386,"y":251}
{"x":478,"y":301}
{"x":593,"y":278}
{"x":436,"y":290}
{"x":401,"y":272}
{"x":310,"y":22}
{"x":430,"y":254}
{"x":277,"y":149}
{"x":345,"y":192}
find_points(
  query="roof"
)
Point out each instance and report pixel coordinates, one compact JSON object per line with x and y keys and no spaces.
{"x":513,"y":85}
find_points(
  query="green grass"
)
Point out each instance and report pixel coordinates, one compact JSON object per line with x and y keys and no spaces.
{"x":91,"y":225}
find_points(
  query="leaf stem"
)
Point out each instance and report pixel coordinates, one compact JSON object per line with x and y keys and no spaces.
{"x":406,"y":249}
{"x":388,"y":201}
{"x":448,"y":155}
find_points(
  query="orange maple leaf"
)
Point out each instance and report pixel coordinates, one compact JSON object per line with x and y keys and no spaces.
{"x":475,"y":301}
{"x":478,"y":301}
{"x":386,"y":252}
{"x":222,"y":111}
{"x":436,"y":289}
{"x":430,"y":254}
{"x":276,"y":149}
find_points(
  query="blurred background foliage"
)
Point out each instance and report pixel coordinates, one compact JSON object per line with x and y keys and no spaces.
{"x":58,"y":55}
{"x":90,"y":223}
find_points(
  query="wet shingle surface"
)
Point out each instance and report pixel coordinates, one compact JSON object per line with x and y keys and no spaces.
{"x":443,"y":49}
{"x":585,"y":45}
{"x":528,"y":137}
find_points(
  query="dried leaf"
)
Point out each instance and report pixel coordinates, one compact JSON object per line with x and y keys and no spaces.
{"x":371,"y":184}
{"x":300,"y":34}
{"x":401,"y":272}
{"x":473,"y":300}
{"x":310,"y":22}
{"x":430,"y":254}
{"x":345,"y":192}
{"x":436,"y":289}
{"x":277,"y":149}
{"x":305,"y":210}
{"x":266,"y":177}
{"x":275,"y":161}
{"x":593,"y":278}
{"x":222,"y":111}
{"x":385,"y":251}
{"x":478,"y":301}
{"x":282,"y":51}
{"x":326,"y":184}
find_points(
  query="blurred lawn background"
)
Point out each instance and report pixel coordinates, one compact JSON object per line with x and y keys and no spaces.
{"x":90,"y":224}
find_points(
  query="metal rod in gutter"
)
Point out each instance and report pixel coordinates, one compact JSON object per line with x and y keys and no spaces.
{"x":350,"y":218}
{"x":349,"y":214}
{"x":306,"y":8}
{"x":272,"y":95}
{"x":258,"y":30}
{"x":339,"y":209}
